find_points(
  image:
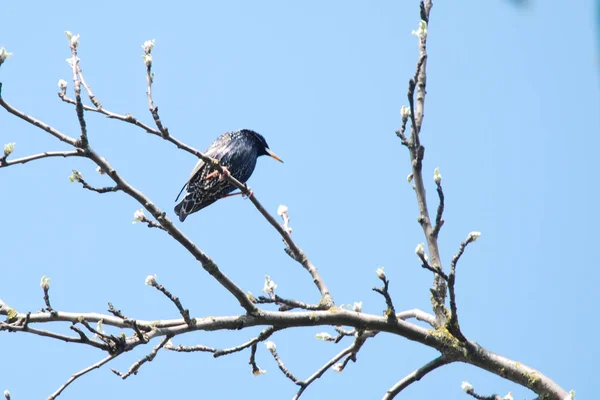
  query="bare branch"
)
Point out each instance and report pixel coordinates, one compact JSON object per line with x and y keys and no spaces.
{"x":264,"y":335}
{"x":273,"y":349}
{"x":107,"y":189}
{"x":46,"y":154}
{"x":153,"y":109}
{"x":16,"y":328}
{"x":190,"y":349}
{"x":453,"y":324}
{"x":439,"y":221}
{"x":79,"y":374}
{"x":288,"y":304}
{"x":37,"y":123}
{"x":185,"y":313}
{"x":350,"y":351}
{"x":391,"y":311}
{"x":74,"y":62}
{"x":419,"y":315}
{"x":133,"y":370}
{"x":414,"y":376}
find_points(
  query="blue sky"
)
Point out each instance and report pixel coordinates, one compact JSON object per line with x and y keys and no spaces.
{"x":512,"y":120}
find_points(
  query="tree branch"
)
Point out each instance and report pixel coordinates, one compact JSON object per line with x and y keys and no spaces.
{"x":414,"y":376}
{"x":79,"y":374}
{"x":46,"y":154}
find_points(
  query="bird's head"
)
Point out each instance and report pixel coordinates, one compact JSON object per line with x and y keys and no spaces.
{"x":263,"y":147}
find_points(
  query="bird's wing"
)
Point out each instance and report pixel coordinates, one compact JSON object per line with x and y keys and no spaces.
{"x":214,"y":151}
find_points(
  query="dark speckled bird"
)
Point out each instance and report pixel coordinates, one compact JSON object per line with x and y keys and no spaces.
{"x":237,"y":151}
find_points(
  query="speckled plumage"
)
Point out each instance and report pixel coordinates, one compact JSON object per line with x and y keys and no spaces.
{"x":237,"y":151}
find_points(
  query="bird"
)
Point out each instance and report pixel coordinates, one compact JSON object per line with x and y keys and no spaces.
{"x":237,"y":152}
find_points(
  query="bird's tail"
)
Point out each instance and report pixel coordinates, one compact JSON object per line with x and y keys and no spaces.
{"x":180,"y":211}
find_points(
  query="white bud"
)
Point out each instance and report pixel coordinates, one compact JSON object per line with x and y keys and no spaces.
{"x":281,"y":210}
{"x":270,"y":285}
{"x":7,"y":395}
{"x":62,"y":84}
{"x":99,"y":329}
{"x":100,"y":170}
{"x":437,"y":177}
{"x":4,"y":54}
{"x":258,"y":371}
{"x":75,"y":176}
{"x":324,"y":336}
{"x":571,"y":395}
{"x":422,"y":31}
{"x":138,"y":216}
{"x":69,"y":35}
{"x":151,"y":280}
{"x":405,"y":113}
{"x":74,"y":41}
{"x":380,"y":273}
{"x":9,"y":148}
{"x":420,"y":250}
{"x":409,"y":178}
{"x":509,"y":396}
{"x":357,"y":306}
{"x":270,"y":346}
{"x":251,"y":296}
{"x":466,"y":386}
{"x":473,"y":236}
{"x":45,"y":283}
{"x":339,"y":367}
{"x":147,"y":59}
{"x":148,"y":46}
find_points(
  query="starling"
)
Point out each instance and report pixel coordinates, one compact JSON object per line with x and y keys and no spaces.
{"x":237,"y":152}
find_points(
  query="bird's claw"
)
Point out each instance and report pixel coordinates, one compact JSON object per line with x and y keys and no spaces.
{"x":250,"y":193}
{"x":221,"y":175}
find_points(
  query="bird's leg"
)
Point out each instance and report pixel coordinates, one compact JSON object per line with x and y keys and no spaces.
{"x":232,"y":194}
{"x":221,"y":175}
{"x":250,"y":192}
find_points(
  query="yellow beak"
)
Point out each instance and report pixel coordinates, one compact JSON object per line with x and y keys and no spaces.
{"x":275,"y":156}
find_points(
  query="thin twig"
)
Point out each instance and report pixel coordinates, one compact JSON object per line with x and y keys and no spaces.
{"x":390,"y":312}
{"x":263,"y":335}
{"x":79,"y":374}
{"x":133,"y":370}
{"x":154,"y":109}
{"x":46,"y":154}
{"x":46,"y":289}
{"x":74,"y":61}
{"x":439,"y":221}
{"x":185,"y":313}
{"x":288,"y":374}
{"x":107,"y":189}
{"x":37,"y":123}
{"x":453,"y":325}
{"x":191,"y":349}
{"x":151,"y":224}
{"x":14,"y":328}
{"x":288,"y":304}
{"x":255,"y":368}
{"x":349,"y":351}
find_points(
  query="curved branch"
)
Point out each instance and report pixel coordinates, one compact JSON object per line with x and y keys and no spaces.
{"x":414,"y":376}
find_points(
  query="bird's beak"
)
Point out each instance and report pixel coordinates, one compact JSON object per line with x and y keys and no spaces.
{"x":275,"y":156}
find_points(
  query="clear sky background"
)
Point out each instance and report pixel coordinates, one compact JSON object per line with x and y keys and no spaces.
{"x":512,"y":120}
